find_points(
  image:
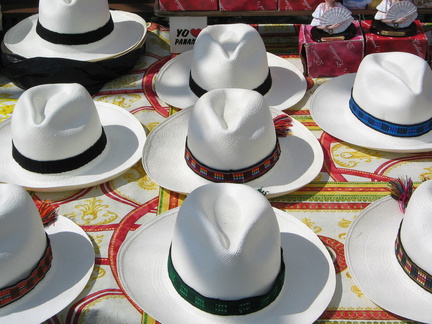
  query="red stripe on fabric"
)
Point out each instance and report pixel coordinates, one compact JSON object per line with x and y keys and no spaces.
{"x":119,"y":236}
{"x":110,"y":192}
{"x":326,"y":140}
{"x":147,"y":86}
{"x":358,"y":315}
{"x":102,"y":261}
{"x":320,"y":206}
{"x":75,"y":310}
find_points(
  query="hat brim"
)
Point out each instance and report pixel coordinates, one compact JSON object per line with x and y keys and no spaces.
{"x":300,"y":161}
{"x":370,"y":254}
{"x":126,"y":138}
{"x":308,"y":288}
{"x":329,"y":108}
{"x":129,"y":32}
{"x":172,"y":82}
{"x":71,"y":267}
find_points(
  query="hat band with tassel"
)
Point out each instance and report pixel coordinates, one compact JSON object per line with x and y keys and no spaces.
{"x":226,"y":307}
{"x":281,"y":123}
{"x":75,"y":39}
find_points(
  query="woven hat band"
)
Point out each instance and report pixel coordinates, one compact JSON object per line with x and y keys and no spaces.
{"x":16,"y":291}
{"x":417,"y":274}
{"x":263,"y":88}
{"x":389,"y":128}
{"x":58,"y":166}
{"x":226,"y":307}
{"x":75,"y":39}
{"x":233,"y":176}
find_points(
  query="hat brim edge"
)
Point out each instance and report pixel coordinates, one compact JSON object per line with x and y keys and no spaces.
{"x":371,"y":259}
{"x":290,"y":173}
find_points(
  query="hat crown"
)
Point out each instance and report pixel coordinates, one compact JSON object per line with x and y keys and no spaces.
{"x":55,"y":121}
{"x":416,"y":227}
{"x":226,"y":242}
{"x":22,"y":236}
{"x":73,"y":16}
{"x":229,"y":56}
{"x":395,"y":87}
{"x":231,"y":129}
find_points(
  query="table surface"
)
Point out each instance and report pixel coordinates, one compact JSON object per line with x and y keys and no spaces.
{"x":352,"y":177}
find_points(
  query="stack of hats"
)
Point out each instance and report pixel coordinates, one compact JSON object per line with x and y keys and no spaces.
{"x":73,"y":41}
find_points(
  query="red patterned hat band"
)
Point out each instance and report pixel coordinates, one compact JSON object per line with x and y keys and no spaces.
{"x":16,"y":291}
{"x":421,"y":277}
{"x":282,"y":123}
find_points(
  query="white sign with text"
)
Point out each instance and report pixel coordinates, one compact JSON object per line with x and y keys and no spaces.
{"x":184,"y":31}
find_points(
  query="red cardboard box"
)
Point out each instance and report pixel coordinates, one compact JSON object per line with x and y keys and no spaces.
{"x":377,"y":44}
{"x":247,"y":5}
{"x":295,"y":5}
{"x":184,"y":5}
{"x":331,"y":58}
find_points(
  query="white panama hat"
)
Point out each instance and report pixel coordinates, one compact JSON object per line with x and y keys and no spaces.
{"x":59,"y":260}
{"x":231,"y":131}
{"x":58,"y":138}
{"x":225,"y":243}
{"x":82,"y":30}
{"x":229,"y":56}
{"x":371,"y":254}
{"x":390,"y":106}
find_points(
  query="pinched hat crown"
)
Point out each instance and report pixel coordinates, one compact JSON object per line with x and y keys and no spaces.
{"x":56,"y":122}
{"x":231,"y":129}
{"x":226,"y":242}
{"x":233,"y":57}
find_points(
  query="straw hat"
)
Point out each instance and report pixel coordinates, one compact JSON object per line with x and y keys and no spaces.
{"x":373,"y":262}
{"x":58,"y":138}
{"x":229,"y":56}
{"x":227,"y":244}
{"x":80,"y":30}
{"x":52,"y":266}
{"x":231,"y":131}
{"x":390,"y":106}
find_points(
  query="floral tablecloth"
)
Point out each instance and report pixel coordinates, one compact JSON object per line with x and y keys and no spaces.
{"x":352,"y":178}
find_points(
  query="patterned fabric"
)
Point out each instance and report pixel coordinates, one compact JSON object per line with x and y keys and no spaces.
{"x":226,"y":307}
{"x":351,"y":179}
{"x":233,"y":176}
{"x":14,"y":292}
{"x":388,"y":127}
{"x":421,"y":277}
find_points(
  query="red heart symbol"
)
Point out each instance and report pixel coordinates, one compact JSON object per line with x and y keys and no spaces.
{"x":195,"y":31}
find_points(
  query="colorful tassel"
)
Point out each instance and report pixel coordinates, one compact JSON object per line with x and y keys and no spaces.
{"x":47,"y":210}
{"x":401,"y":191}
{"x":282,"y":125}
